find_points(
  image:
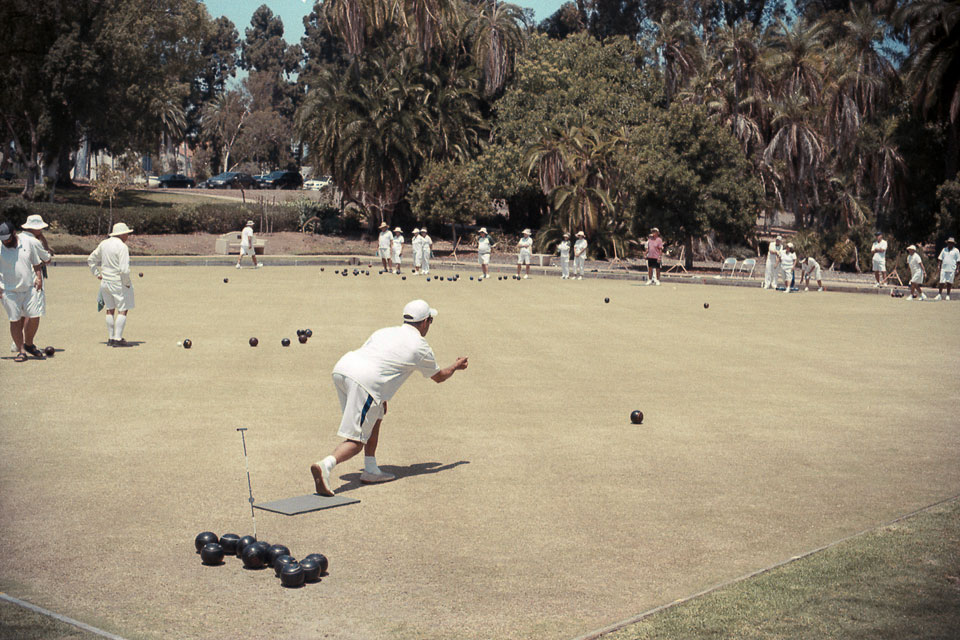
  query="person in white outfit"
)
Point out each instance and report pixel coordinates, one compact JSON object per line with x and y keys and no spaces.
{"x":564,"y":249}
{"x":917,"y":273}
{"x":247,"y":245}
{"x":425,"y":249}
{"x":385,"y":247}
{"x":397,"y":248}
{"x":21,"y":264}
{"x":788,"y":261}
{"x":773,"y":259}
{"x":579,"y":254}
{"x":810,"y":268}
{"x":879,"y":251}
{"x":416,"y":243}
{"x":948,"y":258}
{"x":33,"y":229}
{"x":484,"y":249}
{"x":524,"y":249}
{"x":367,"y":378}
{"x":110,"y":262}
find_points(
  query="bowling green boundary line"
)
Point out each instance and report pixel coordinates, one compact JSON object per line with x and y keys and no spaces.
{"x":617,"y":626}
{"x":57,"y":616}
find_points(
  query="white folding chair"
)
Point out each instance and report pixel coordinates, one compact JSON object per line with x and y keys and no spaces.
{"x":729,"y":263}
{"x":749,"y":263}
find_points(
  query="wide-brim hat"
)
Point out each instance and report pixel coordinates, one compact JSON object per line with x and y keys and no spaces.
{"x":120,"y":229}
{"x":951,"y":241}
{"x":654,"y":230}
{"x":912,"y":248}
{"x":398,"y":230}
{"x":581,"y":234}
{"x":483,"y":230}
{"x":526,"y":232}
{"x":383,"y":225}
{"x":249,"y":223}
{"x":790,"y":245}
{"x":779,"y":238}
{"x":566,"y":234}
{"x":415,"y":231}
{"x":34,"y":223}
{"x":418,"y":311}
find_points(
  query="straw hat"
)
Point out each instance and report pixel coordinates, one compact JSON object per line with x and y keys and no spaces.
{"x":526,"y":232}
{"x":415,"y":230}
{"x":383,"y":225}
{"x":397,"y":230}
{"x":120,"y":229}
{"x":912,"y":248}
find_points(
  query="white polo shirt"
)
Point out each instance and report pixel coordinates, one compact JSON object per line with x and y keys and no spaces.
{"x":246,"y":237}
{"x":787,"y":260}
{"x":580,"y":247}
{"x":810,"y":266}
{"x":387,"y":359}
{"x":397,"y":244}
{"x":17,"y":263}
{"x":915,"y":263}
{"x":111,"y":261}
{"x":881,"y":249}
{"x":948,"y":259}
{"x":483,"y":244}
{"x":386,"y":239}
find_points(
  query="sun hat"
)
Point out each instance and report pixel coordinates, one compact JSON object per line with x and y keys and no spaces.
{"x":566,"y":234}
{"x":120,"y":229}
{"x":912,"y":248}
{"x":526,"y":232}
{"x":398,"y":230}
{"x":581,"y":234}
{"x":418,"y":311}
{"x":483,"y":230}
{"x":423,"y":230}
{"x":383,"y":225}
{"x":654,"y":230}
{"x":6,"y":230}
{"x":950,"y":240}
{"x":789,"y":245}
{"x":779,"y":237}
{"x":415,"y":230}
{"x":34,"y":223}
{"x":249,"y":223}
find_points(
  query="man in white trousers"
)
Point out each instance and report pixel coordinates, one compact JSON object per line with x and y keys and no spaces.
{"x":367,"y":378}
{"x":773,"y":257}
{"x":416,"y":243}
{"x":385,"y":247}
{"x":564,"y":249}
{"x":425,"y":249}
{"x":110,"y":262}
{"x":579,"y":254}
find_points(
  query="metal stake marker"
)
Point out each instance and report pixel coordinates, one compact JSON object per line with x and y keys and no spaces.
{"x":249,"y":486}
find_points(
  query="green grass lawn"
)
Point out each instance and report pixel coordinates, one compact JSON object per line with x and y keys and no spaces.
{"x":126,"y":198}
{"x":526,"y":505}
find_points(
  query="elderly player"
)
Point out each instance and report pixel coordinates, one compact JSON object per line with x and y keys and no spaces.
{"x":416,"y":244}
{"x":948,"y":258}
{"x":879,"y":251}
{"x":33,"y":228}
{"x":773,"y":258}
{"x":654,"y":251}
{"x":110,"y":262}
{"x":788,"y":262}
{"x":484,"y":249}
{"x":524,"y":249}
{"x":579,"y":254}
{"x":367,"y":378}
{"x":21,"y":262}
{"x":397,"y":248}
{"x":247,"y":245}
{"x":426,"y":242}
{"x":917,"y":273}
{"x":564,"y":249}
{"x":810,"y":268}
{"x":385,"y":247}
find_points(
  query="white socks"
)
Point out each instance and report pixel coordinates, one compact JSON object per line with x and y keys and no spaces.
{"x":370,"y":464}
{"x":110,"y":325}
{"x":328,"y":463}
{"x":121,"y":321}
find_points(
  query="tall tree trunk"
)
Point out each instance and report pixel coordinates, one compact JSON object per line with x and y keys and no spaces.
{"x":688,"y":252}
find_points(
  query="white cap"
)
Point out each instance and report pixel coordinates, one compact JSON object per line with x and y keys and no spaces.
{"x":34,"y":223}
{"x":120,"y":229}
{"x":526,"y":232}
{"x":418,"y":311}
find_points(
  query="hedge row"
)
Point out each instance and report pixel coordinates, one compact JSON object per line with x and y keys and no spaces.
{"x":204,"y":218}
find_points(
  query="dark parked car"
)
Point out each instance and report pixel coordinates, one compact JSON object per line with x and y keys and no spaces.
{"x":176,"y":181}
{"x":281,"y":180}
{"x":232,"y":180}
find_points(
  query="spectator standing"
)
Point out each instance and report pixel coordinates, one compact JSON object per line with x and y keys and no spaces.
{"x":917,"y":273}
{"x":385,"y":247}
{"x":484,"y":249}
{"x":948,"y":258}
{"x":879,"y":251}
{"x":579,"y":254}
{"x":564,"y":249}
{"x":654,"y":251}
{"x":773,"y":259}
{"x":247,"y":245}
{"x":525,"y":247}
{"x":397,"y":248}
{"x":20,"y":274}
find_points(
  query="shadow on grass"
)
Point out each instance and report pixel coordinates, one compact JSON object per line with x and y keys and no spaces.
{"x":352,"y":480}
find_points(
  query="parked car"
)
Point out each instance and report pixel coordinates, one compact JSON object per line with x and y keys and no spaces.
{"x":316,"y":184}
{"x":176,"y":181}
{"x":232,"y":180}
{"x":281,"y":180}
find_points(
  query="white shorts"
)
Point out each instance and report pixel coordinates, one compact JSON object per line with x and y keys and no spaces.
{"x":16,"y":304}
{"x":383,"y":253}
{"x":813,"y":273}
{"x":916,"y":277}
{"x":247,"y":251}
{"x":946,"y":277}
{"x":483,"y":258}
{"x":360,"y":410}
{"x":523,"y":258}
{"x":116,"y":296}
{"x":879,"y":264}
{"x":37,"y":304}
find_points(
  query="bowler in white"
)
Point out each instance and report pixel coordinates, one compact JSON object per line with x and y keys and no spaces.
{"x":917,"y":273}
{"x":773,"y":257}
{"x":426,"y":242}
{"x":397,"y":248}
{"x":788,"y":261}
{"x":416,"y":243}
{"x":247,"y":246}
{"x":948,"y":258}
{"x":110,"y":262}
{"x":579,"y":254}
{"x":525,"y":248}
{"x":879,"y":251}
{"x":810,"y":268}
{"x":484,"y":248}
{"x":367,"y":378}
{"x":564,"y":249}
{"x":21,"y":263}
{"x":385,"y":247}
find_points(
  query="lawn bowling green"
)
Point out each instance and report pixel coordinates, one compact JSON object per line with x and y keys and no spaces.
{"x":526,"y":506}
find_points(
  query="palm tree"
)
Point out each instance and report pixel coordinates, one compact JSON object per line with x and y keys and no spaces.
{"x":888,"y":167}
{"x":798,"y":147}
{"x":794,"y":57}
{"x":676,"y":44}
{"x":497,"y":38}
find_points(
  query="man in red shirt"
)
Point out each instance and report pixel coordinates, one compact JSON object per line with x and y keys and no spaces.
{"x":654,"y":251}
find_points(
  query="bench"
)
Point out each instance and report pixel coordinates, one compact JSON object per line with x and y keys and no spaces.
{"x":230,"y":243}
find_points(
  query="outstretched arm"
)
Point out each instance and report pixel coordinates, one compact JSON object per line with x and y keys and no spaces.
{"x":444,"y":374}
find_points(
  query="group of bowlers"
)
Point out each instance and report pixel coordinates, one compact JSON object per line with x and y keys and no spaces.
{"x":782,"y":261}
{"x":390,"y":249}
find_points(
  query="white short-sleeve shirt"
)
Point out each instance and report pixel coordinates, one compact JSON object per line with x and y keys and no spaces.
{"x":246,"y":237}
{"x":787,"y":260}
{"x":580,"y":246}
{"x":915,"y":263}
{"x":880,"y":247}
{"x":810,"y":266}
{"x":387,"y":359}
{"x":17,"y":263}
{"x":773,"y":252}
{"x":417,"y":243}
{"x":397,"y":243}
{"x":111,"y":261}
{"x":948,"y":259}
{"x":385,"y":240}
{"x":483,"y":244}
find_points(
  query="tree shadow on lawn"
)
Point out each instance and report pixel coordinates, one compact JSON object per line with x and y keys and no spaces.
{"x":352,"y":480}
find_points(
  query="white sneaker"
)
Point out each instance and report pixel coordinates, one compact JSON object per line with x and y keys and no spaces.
{"x":238,"y":266}
{"x":649,"y":283}
{"x":526,"y":277}
{"x":877,"y":285}
{"x":938,"y":297}
{"x":486,"y":277}
{"x":13,"y":347}
{"x":946,"y":297}
{"x":820,"y":289}
{"x":806,"y":288}
{"x":259,"y":265}
{"x":656,"y":283}
{"x":923,"y":296}
{"x":374,"y":478}
{"x":579,"y":277}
